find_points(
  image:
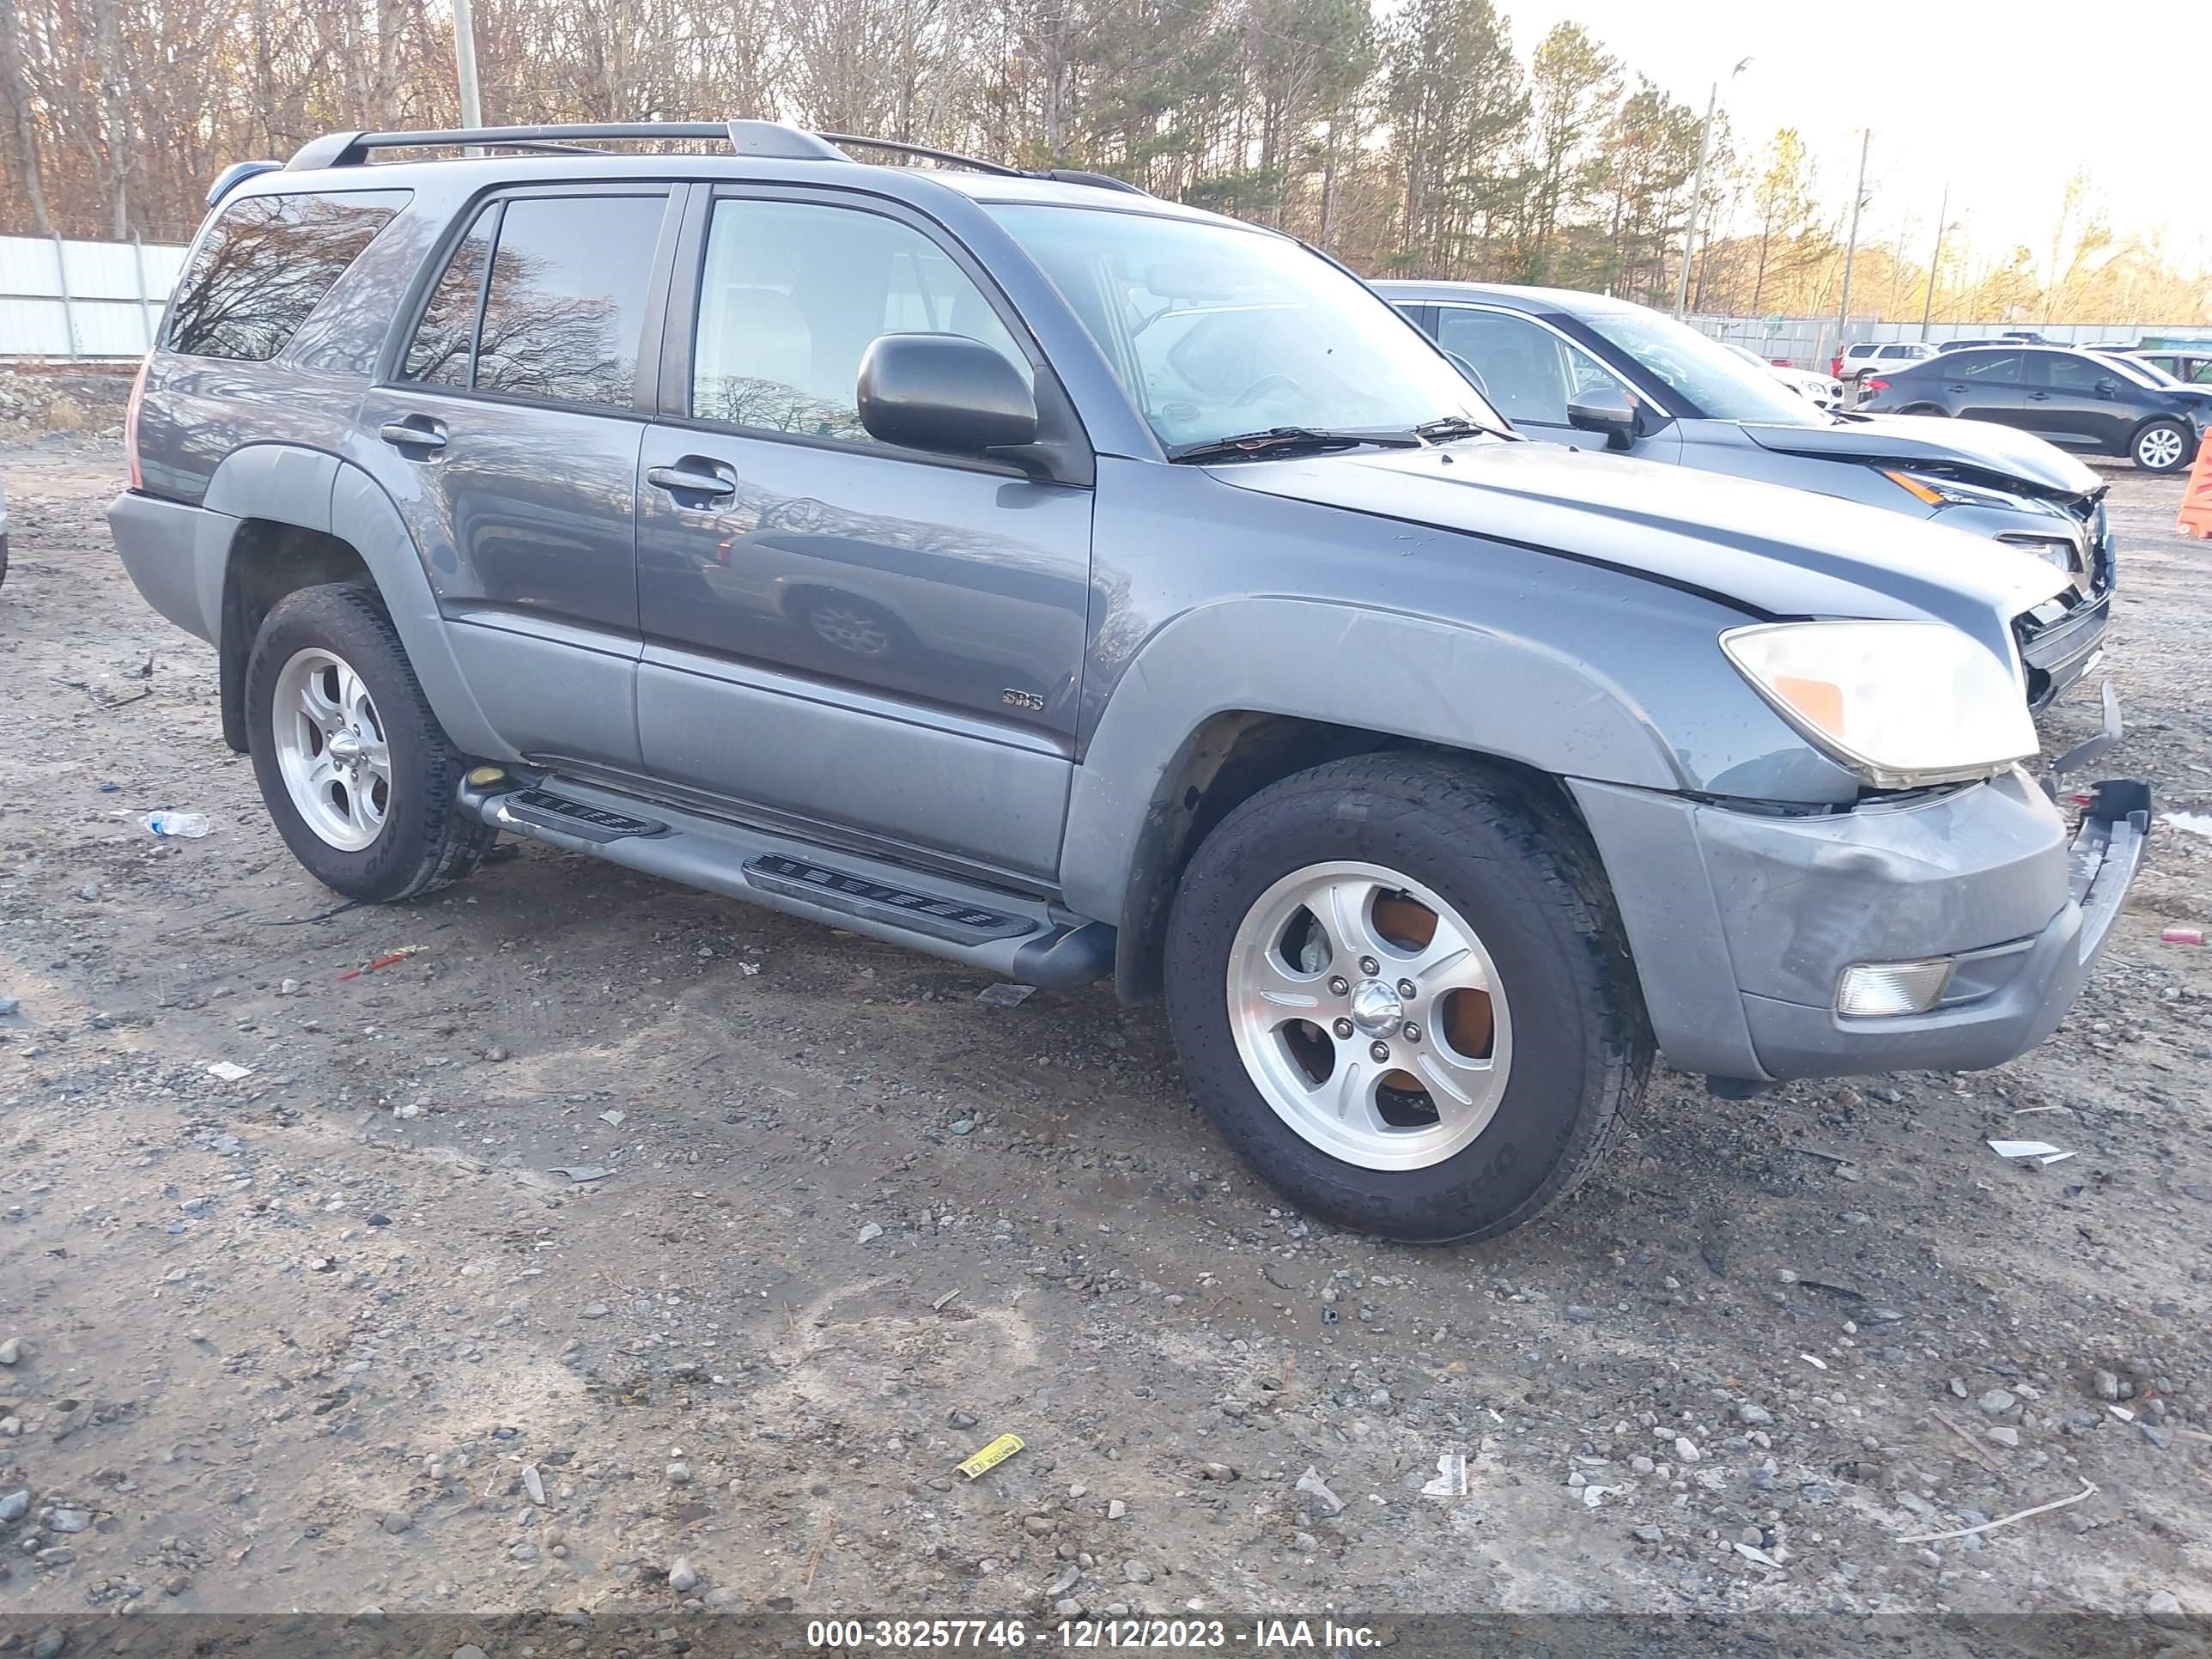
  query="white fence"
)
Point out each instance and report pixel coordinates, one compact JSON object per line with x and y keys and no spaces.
{"x":1810,"y":341}
{"x":86,"y":300}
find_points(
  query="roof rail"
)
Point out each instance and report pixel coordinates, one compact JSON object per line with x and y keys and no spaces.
{"x":762,"y":138}
{"x":768,"y":138}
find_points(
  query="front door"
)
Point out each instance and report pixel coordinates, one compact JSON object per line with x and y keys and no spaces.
{"x":1529,"y":374}
{"x":868,"y":638}
{"x":509,"y":435}
{"x":2077,"y":402}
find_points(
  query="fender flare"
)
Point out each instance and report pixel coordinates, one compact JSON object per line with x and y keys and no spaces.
{"x":1419,"y":679}
{"x":291,"y":484}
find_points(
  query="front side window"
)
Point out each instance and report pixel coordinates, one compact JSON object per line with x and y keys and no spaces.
{"x":266,"y":264}
{"x":1215,"y":330}
{"x":793,"y":295}
{"x":2074,"y":373}
{"x":1528,"y":374}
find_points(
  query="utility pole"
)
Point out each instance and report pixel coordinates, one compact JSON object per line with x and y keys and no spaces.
{"x":464,"y":62}
{"x":1935,"y":259}
{"x":1697,"y":200}
{"x":1851,"y":247}
{"x":1698,"y":192}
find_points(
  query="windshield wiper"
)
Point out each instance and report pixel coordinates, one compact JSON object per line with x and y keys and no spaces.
{"x":1445,"y":427}
{"x":1282,"y":440}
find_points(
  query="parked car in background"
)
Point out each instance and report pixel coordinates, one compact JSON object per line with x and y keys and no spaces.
{"x":2183,"y":365}
{"x":1857,"y":359}
{"x":1436,"y":777}
{"x":1579,"y":368}
{"x":2087,"y":401}
{"x":1824,"y":390}
{"x":2017,"y":336}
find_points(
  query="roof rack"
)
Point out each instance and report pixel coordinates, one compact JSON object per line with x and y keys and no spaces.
{"x":772,"y":139}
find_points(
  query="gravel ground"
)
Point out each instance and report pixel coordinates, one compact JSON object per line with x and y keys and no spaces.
{"x":622,"y":1247}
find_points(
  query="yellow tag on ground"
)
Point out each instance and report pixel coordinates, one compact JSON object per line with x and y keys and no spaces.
{"x":992,"y":1455}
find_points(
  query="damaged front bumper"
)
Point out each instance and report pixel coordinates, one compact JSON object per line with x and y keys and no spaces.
{"x":1975,"y":908}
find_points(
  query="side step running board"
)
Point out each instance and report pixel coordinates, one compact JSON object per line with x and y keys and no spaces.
{"x":1012,"y":935}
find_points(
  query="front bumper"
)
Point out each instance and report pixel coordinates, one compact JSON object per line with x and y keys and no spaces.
{"x":1741,"y":922}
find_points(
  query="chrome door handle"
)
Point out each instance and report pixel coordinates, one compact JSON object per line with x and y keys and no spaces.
{"x":683,"y":481}
{"x":406,"y":435}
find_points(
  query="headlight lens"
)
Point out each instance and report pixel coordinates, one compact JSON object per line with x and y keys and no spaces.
{"x":1938,"y":491}
{"x":1901,"y":703}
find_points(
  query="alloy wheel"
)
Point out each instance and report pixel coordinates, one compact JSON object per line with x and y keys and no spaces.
{"x":1369,"y":1015}
{"x":331,"y":749}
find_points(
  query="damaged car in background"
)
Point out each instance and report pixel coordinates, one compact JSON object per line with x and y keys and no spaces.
{"x":1583,"y":368}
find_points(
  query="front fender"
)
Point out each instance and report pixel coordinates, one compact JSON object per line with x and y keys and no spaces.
{"x":1398,"y":676}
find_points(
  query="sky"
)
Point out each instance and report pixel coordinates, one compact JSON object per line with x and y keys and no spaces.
{"x":2003,"y":99}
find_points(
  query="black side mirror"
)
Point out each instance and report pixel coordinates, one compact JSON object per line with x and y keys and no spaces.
{"x":1604,"y":409}
{"x":2108,"y":388}
{"x":946,"y":394}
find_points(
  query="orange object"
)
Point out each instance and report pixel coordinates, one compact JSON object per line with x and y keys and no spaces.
{"x":2196,"y":503}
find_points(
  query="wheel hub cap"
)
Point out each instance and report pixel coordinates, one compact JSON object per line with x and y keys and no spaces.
{"x":346,"y":747}
{"x":1376,"y":1008}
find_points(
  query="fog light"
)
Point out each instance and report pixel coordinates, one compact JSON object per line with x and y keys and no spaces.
{"x":1870,"y":989}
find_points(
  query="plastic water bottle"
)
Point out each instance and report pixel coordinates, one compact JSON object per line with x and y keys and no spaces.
{"x":190,"y":825}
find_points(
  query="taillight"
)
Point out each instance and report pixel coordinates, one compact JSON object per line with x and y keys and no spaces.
{"x":1877,"y":386}
{"x":1835,"y":368}
{"x":130,"y":421}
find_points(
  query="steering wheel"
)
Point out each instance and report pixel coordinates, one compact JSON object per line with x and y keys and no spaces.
{"x":1265,"y":384}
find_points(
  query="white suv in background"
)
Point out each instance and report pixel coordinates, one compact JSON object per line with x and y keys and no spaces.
{"x":1857,"y":360}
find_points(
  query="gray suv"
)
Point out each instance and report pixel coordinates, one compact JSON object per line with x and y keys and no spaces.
{"x":1070,"y":584}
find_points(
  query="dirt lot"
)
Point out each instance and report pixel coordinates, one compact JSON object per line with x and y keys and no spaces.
{"x":730,"y":1235}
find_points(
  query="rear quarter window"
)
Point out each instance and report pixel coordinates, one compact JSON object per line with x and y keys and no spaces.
{"x":266,"y":264}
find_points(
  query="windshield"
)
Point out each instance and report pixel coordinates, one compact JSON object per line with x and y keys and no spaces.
{"x":1215,"y":331}
{"x":1721,"y":385}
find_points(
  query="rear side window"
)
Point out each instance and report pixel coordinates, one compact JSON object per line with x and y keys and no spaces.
{"x":1986,"y":368}
{"x":446,"y":339}
{"x":265,"y":264}
{"x":563,"y":314}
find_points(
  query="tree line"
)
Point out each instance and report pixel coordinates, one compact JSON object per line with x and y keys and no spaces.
{"x":1424,"y":142}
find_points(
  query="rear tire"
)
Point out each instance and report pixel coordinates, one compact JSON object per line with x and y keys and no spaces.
{"x":353,"y":765}
{"x":1448,"y":1114}
{"x":2162,"y":445}
{"x":1925,"y":408}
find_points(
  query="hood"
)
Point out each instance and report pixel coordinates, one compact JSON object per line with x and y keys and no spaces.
{"x":2001,"y":453}
{"x":1758,"y":547}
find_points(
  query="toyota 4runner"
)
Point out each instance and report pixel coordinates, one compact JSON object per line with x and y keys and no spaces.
{"x":1068,"y":583}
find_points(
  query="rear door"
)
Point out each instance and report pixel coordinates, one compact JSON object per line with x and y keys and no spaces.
{"x":873,"y":638}
{"x":2076,"y":401}
{"x":507,"y":428}
{"x":1981,"y":385}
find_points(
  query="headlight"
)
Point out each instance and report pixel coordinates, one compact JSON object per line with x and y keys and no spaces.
{"x":1901,"y":703}
{"x":1938,"y":491}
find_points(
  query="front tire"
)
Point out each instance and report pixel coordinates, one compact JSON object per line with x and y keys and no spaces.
{"x":2162,"y":447}
{"x":353,"y":765}
{"x":1400,"y":990}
